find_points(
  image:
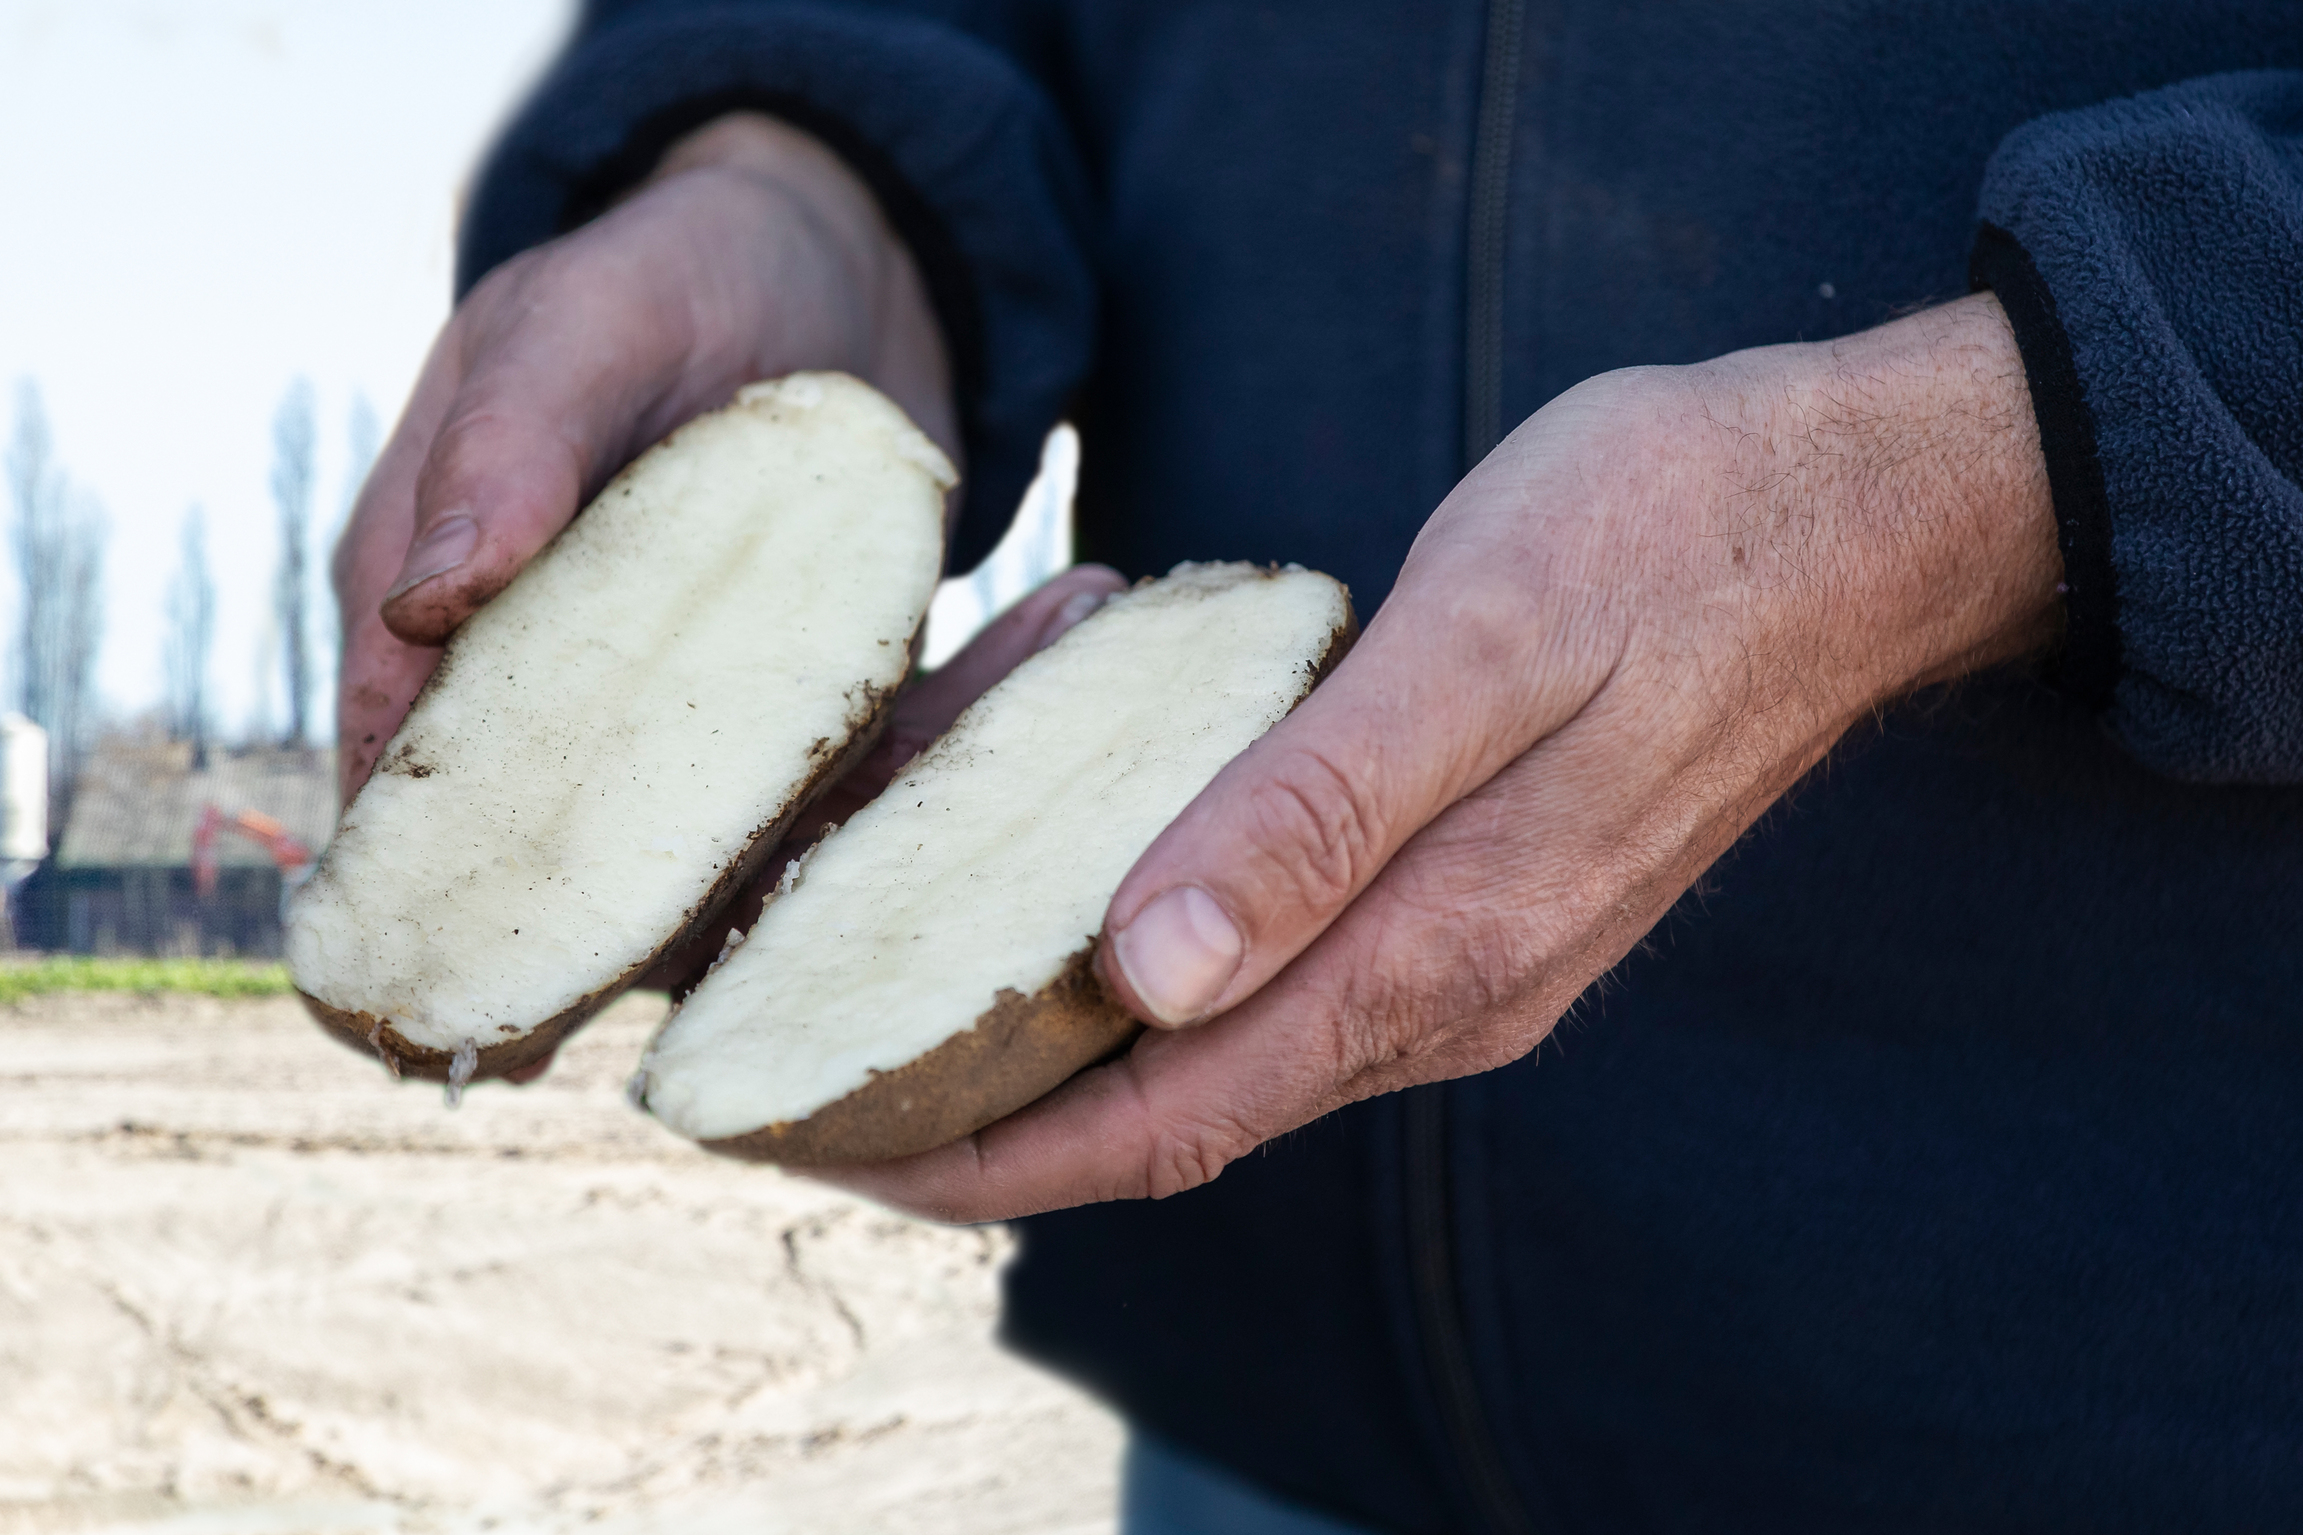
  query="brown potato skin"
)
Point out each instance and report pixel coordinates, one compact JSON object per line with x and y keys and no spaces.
{"x":1014,"y":1055}
{"x":1339,"y":644}
{"x":364,"y":1032}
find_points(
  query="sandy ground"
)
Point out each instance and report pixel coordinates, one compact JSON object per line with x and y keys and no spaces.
{"x":249,"y":1285}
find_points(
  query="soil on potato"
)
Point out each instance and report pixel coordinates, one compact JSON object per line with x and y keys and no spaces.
{"x":249,"y":1283}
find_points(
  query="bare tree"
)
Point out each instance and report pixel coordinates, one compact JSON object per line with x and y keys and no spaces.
{"x":82,"y":627}
{"x":191,"y":636}
{"x":292,"y":441}
{"x":58,"y":535}
{"x":38,"y":491}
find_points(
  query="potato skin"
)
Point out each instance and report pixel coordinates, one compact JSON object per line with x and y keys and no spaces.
{"x":369,"y":1034}
{"x":1339,"y":645}
{"x":1017,"y":1053}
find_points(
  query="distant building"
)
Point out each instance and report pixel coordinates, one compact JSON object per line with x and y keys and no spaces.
{"x":23,"y":800}
{"x":123,"y":878}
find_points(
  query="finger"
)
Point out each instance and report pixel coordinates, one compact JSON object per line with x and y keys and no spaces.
{"x":1161,"y":1119}
{"x":578,"y":354}
{"x":1461,"y":956}
{"x":546,"y":407}
{"x":380,"y":673}
{"x":381,"y":676}
{"x":1182,"y":1105}
{"x":1026,"y":628}
{"x":571,"y":357}
{"x":1458,"y":675}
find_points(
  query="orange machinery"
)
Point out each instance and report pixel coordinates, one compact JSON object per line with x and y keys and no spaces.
{"x":292,"y":857}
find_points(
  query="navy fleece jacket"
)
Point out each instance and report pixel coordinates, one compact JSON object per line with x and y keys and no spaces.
{"x":1937,"y":1167}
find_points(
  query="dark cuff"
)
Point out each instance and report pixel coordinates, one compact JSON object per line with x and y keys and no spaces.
{"x":2089,"y":666}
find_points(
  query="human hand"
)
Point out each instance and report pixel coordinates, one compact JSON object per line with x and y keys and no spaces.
{"x":752,"y":252}
{"x":1622,"y":637}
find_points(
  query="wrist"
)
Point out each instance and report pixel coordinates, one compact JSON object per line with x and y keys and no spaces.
{"x":1886,"y":501}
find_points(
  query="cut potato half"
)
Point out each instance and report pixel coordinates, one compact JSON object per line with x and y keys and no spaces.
{"x":925,"y":969}
{"x":612,"y":746}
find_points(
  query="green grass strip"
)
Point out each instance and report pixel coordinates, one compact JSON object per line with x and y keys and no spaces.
{"x":201,"y":977}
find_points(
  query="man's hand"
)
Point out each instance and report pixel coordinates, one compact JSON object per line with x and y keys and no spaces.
{"x":1621,"y":638}
{"x":752,"y":252}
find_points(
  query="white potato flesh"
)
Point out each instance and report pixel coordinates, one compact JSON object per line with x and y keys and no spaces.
{"x":987,"y":865}
{"x":605,"y":737}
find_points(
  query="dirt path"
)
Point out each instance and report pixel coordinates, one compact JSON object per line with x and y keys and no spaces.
{"x":247,"y":1285}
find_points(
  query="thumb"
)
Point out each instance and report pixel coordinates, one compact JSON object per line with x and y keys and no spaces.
{"x":544,"y":410}
{"x":1441,"y":693}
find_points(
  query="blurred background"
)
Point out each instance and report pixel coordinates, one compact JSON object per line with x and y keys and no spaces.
{"x":228,"y":247}
{"x":229,"y":242}
{"x":247,"y":1281}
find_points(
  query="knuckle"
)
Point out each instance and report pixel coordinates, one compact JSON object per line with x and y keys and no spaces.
{"x":460,"y":446}
{"x":491,"y":454}
{"x":1458,"y":988}
{"x":1183,"y":1156}
{"x":1316,"y":829}
{"x":1491,"y":623}
{"x":505,"y":297}
{"x":465,"y":447}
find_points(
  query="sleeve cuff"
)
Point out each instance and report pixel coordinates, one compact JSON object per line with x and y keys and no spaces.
{"x":2090,"y":663}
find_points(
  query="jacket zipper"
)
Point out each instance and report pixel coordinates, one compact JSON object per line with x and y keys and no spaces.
{"x":1431,"y":1241}
{"x":1488,"y":226}
{"x":1439,"y":1316}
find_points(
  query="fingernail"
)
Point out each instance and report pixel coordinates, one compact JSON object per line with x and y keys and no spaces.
{"x":1075,"y":607}
{"x":447,"y":545}
{"x":1179,"y":954}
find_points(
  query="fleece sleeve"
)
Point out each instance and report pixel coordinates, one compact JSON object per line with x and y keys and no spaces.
{"x":2149,"y":255}
{"x":969,"y":160}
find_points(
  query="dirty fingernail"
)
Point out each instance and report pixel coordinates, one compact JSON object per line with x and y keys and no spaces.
{"x":446,"y":545}
{"x":1179,"y":954}
{"x":1075,"y":607}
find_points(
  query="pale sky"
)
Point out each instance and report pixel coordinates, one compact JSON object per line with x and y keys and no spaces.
{"x":204,"y":199}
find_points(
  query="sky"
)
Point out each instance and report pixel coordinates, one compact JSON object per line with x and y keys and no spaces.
{"x":205,"y":200}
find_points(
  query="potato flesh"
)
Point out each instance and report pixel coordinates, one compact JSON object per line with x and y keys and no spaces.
{"x":988,"y":864}
{"x":604,"y":737}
